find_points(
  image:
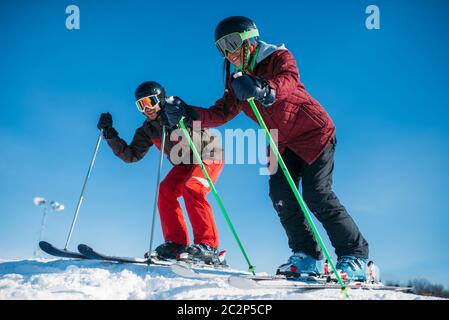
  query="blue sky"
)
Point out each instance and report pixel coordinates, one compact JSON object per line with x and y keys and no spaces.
{"x":386,"y":91}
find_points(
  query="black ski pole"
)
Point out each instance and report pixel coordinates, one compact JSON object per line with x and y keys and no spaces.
{"x":80,"y":201}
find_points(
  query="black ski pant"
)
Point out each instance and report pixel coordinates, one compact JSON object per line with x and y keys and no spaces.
{"x":316,"y":180}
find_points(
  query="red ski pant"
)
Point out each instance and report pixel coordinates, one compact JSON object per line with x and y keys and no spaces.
{"x":190,"y":183}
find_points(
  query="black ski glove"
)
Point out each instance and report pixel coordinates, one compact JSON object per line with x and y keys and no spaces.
{"x":163,"y":119}
{"x":246,"y":86}
{"x":105,"y":124}
{"x":174,"y":109}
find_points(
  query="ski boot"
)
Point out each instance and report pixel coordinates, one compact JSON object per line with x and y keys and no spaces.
{"x":373,"y":273}
{"x":353,"y":268}
{"x":203,"y":254}
{"x":167,"y":251}
{"x":301,"y":265}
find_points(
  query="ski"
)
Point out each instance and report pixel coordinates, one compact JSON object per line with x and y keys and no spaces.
{"x":63,"y":253}
{"x":247,"y":281}
{"x":204,"y":271}
{"x":210,"y":272}
{"x":183,"y":266}
{"x":279,"y":283}
{"x":92,"y":254}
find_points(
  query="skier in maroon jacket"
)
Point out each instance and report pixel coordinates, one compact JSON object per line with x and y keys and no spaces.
{"x":185,"y":178}
{"x":306,"y":140}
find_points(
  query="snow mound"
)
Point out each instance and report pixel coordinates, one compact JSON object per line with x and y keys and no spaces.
{"x":87,"y":279}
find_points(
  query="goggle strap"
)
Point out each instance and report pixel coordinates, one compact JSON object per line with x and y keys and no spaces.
{"x":254,"y":55}
{"x":249,"y":34}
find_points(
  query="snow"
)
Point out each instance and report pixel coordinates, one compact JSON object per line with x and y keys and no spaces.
{"x":87,"y":279}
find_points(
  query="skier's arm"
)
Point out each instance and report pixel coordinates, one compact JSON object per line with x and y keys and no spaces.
{"x":133,"y":152}
{"x":128,"y":153}
{"x":221,"y":112}
{"x":224,"y":110}
{"x":285,"y":77}
{"x":282,"y":82}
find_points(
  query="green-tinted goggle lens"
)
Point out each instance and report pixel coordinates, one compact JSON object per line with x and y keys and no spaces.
{"x":233,"y":41}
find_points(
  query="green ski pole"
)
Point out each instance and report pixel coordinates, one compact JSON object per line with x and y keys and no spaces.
{"x":296,"y":193}
{"x":251,"y":268}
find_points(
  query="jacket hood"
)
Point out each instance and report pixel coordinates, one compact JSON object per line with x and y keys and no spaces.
{"x":266,"y":49}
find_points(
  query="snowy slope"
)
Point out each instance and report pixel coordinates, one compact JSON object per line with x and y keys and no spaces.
{"x":73,"y":279}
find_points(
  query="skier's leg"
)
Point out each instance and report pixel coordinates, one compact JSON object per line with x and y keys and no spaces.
{"x":172,"y":219}
{"x":194,"y":191}
{"x":300,"y":236}
{"x":322,"y":201}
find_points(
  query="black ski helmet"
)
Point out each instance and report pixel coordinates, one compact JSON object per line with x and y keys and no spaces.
{"x":233,"y":24}
{"x":150,"y":88}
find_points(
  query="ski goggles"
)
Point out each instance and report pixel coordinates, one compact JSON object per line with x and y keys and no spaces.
{"x":147,"y":102}
{"x":231,"y":42}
